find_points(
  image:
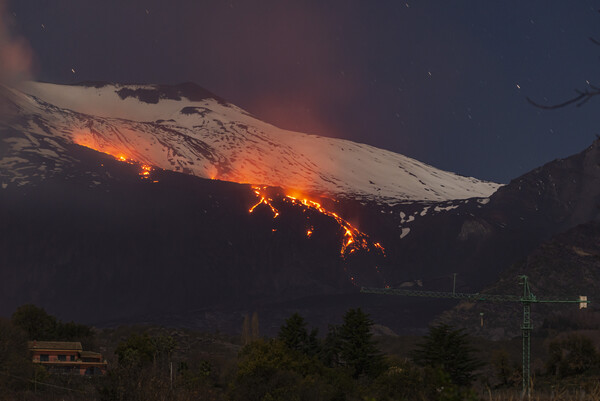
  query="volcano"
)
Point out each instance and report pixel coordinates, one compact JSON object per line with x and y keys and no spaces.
{"x":166,"y":204}
{"x":186,"y":129}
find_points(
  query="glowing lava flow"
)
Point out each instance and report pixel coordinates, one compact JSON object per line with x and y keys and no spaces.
{"x":145,"y":173}
{"x":145,"y":169}
{"x":264,"y":199}
{"x":354,"y":239}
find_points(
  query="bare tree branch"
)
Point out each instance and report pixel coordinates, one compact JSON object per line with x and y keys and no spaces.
{"x":586,"y":99}
{"x":581,"y":99}
{"x":556,"y":106}
{"x":582,"y":96}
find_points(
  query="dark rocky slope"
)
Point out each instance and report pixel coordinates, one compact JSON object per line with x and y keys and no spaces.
{"x":94,"y":243}
{"x":564,"y":267}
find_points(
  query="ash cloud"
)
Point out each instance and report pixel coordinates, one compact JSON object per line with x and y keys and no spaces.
{"x":284,"y":61}
{"x":16,"y":56}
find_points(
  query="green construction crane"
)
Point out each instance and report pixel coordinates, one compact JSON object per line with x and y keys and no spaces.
{"x":526,"y":299}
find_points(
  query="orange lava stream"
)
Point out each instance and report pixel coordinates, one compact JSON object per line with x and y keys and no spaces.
{"x":354,"y":239}
{"x":145,"y":169}
{"x":145,"y":173}
{"x":264,"y":199}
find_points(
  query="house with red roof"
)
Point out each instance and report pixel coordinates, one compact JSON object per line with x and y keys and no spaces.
{"x":67,"y":357}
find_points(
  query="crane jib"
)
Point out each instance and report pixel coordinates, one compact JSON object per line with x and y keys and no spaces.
{"x":471,"y":296}
{"x":526,"y":299}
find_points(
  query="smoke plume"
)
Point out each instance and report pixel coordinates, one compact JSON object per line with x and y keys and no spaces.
{"x":16,"y":56}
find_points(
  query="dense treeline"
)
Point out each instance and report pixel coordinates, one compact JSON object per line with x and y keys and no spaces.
{"x":39,"y":325}
{"x":346,"y":363}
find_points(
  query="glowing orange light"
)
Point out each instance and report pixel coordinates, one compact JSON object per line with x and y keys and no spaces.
{"x":353,"y":240}
{"x":145,"y":172}
{"x":90,"y":143}
{"x":259,"y":191}
{"x":378,"y":246}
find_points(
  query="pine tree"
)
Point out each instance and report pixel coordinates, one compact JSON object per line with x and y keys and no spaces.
{"x":246,"y":330}
{"x":295,"y":336}
{"x":254,"y":326}
{"x":293,"y":333}
{"x":358,"y":350}
{"x":449,"y":349}
{"x":332,"y":347}
{"x":313,"y":345}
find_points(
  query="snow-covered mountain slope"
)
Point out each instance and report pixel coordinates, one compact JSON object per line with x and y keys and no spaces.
{"x":187,"y":129}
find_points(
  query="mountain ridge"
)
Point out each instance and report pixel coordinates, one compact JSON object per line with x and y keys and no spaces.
{"x":174,"y":248}
{"x":212,"y":139}
{"x":565,"y":266}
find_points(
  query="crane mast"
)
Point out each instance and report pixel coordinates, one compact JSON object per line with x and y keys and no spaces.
{"x":526,"y":300}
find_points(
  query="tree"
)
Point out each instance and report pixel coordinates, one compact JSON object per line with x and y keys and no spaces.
{"x":401,"y":381}
{"x":163,"y":350}
{"x":254,"y":326}
{"x":332,"y":347}
{"x":250,"y":329}
{"x":38,"y":324}
{"x":573,"y":355}
{"x":504,"y":367}
{"x":15,"y":362}
{"x":447,"y":348}
{"x":358,"y":350}
{"x":142,"y":372}
{"x":41,"y":326}
{"x":295,"y":335}
{"x":72,"y":331}
{"x":136,"y":352}
{"x":269,"y":370}
{"x":246,"y":337}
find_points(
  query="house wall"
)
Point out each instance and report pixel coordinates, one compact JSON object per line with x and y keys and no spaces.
{"x":76,"y":364}
{"x":53,"y":355}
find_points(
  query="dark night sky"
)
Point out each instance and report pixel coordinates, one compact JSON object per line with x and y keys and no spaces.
{"x":442,"y":81}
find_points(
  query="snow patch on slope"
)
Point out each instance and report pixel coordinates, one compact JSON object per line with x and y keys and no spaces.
{"x":211,"y":139}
